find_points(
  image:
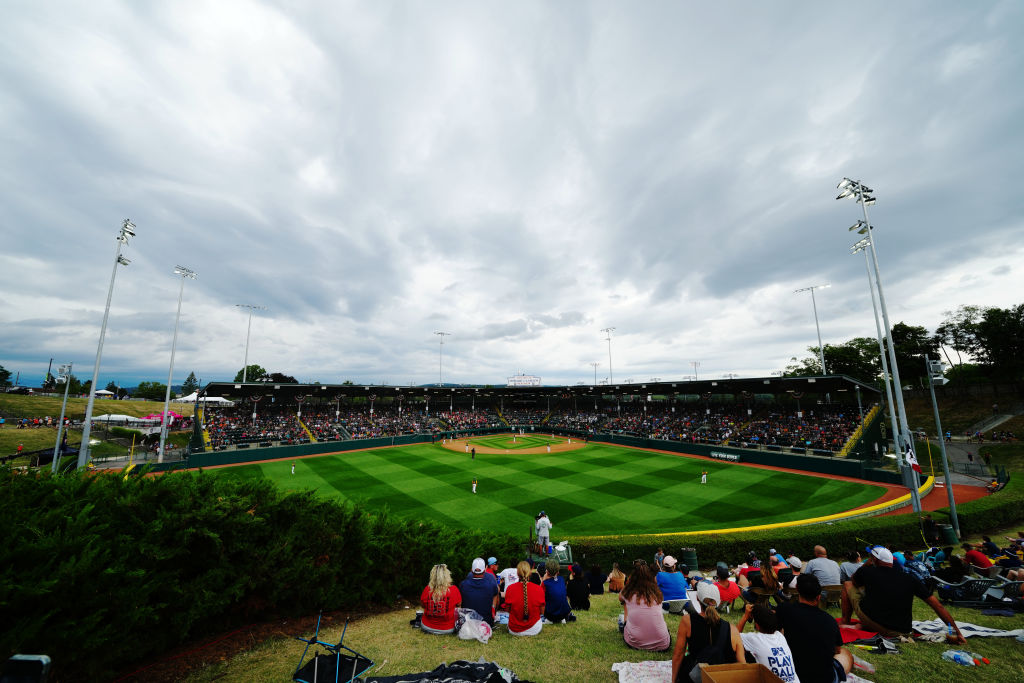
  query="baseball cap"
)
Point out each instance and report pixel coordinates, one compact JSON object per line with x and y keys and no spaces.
{"x":795,"y":562}
{"x":668,"y":561}
{"x":880,"y":553}
{"x":706,"y":590}
{"x":542,"y":513}
{"x":771,"y":551}
{"x":492,"y":560}
{"x":478,"y":565}
{"x":723,"y":573}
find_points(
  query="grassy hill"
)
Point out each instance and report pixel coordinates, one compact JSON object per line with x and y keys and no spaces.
{"x":18,"y":405}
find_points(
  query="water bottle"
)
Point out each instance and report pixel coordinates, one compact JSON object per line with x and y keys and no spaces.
{"x":978,"y":659}
{"x":958,"y":656}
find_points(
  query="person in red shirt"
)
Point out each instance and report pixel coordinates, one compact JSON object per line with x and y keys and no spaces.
{"x":439,"y":600}
{"x":975,"y":557}
{"x":729,"y":590}
{"x":525,"y":601}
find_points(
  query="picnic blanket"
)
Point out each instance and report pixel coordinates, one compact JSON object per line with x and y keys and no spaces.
{"x":456,"y":672}
{"x":644,"y":672}
{"x":935,"y":630}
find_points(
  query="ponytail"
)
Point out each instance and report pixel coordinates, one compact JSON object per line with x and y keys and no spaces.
{"x":526,"y":600}
{"x":711,"y":616}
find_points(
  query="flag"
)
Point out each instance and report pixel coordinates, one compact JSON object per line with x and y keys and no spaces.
{"x":911,"y":457}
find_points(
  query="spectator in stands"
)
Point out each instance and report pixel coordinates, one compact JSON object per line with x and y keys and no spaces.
{"x":704,"y":636}
{"x":480,"y":591}
{"x":578,"y":589}
{"x":850,"y":567}
{"x":596,"y":579}
{"x":975,"y":557}
{"x":728,"y":589}
{"x":882,"y":597}
{"x":824,"y":569}
{"x":556,"y":598}
{"x":813,"y":636}
{"x":643,"y":621}
{"x":767,"y":645}
{"x":671,"y":583}
{"x":525,"y":601}
{"x":439,"y":600}
{"x":616,"y":579}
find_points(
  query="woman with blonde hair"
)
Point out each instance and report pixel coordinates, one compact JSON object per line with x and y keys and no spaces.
{"x":616,"y":580}
{"x":644,"y":627}
{"x":439,"y":600}
{"x":707,"y":636}
{"x":525,"y":603}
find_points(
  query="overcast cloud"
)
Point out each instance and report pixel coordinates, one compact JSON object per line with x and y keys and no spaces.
{"x":520,"y":175}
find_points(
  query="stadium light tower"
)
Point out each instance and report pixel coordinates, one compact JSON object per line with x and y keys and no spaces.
{"x":611,"y":375}
{"x":595,"y":372}
{"x":440,"y":355}
{"x":863,"y":246}
{"x":935,"y":376}
{"x":63,"y":376}
{"x":186,"y":274}
{"x":863,"y":195}
{"x":127,"y":232}
{"x":245,"y":363}
{"x":821,"y":349}
{"x":695,"y":364}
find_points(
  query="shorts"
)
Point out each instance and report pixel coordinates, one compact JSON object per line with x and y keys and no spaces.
{"x":838,"y":672}
{"x":532,"y":631}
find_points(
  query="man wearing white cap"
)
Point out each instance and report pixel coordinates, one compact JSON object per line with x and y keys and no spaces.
{"x":883,"y":597}
{"x":480,"y":591}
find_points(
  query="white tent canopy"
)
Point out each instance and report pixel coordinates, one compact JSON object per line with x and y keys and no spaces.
{"x":122,"y":419}
{"x":209,"y":400}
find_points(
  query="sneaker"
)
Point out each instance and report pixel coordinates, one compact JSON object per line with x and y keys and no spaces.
{"x":571,"y":617}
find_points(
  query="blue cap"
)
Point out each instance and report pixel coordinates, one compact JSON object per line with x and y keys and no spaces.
{"x":492,"y":560}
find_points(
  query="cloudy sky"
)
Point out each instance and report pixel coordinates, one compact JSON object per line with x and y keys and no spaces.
{"x":520,"y":175}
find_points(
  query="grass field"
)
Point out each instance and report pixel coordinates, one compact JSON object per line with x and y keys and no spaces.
{"x":586,"y":650}
{"x":17,"y":405}
{"x":596,"y":490}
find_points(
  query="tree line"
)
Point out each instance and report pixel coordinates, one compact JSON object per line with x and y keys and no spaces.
{"x":978,"y":344}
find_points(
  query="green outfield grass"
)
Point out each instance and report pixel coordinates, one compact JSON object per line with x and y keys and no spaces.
{"x":595,"y":490}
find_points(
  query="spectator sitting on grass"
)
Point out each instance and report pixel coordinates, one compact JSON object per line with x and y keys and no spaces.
{"x":616,"y":580}
{"x":705,"y":636}
{"x":557,"y":608}
{"x":728,"y":589}
{"x":767,"y":645}
{"x":525,"y":601}
{"x":596,"y":579}
{"x":643,"y":621}
{"x":765,"y":579}
{"x":578,"y":589}
{"x":671,"y":583}
{"x":824,"y":569}
{"x":850,"y":567}
{"x":480,"y":591}
{"x":813,"y":635}
{"x":883,"y":598}
{"x":439,"y":600}
{"x":975,"y":557}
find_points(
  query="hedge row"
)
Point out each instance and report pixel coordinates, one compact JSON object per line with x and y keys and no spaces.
{"x":100,"y":571}
{"x":899,"y":531}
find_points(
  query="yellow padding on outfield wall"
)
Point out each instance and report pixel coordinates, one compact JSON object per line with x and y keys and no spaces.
{"x":902,"y":501}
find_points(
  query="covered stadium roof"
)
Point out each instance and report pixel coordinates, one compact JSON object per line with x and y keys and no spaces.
{"x":836,"y":385}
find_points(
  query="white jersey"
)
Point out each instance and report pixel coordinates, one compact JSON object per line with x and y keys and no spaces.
{"x":508,"y":577}
{"x":544,"y":527}
{"x":772,"y":650}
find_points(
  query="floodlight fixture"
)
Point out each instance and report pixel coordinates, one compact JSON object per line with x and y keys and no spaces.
{"x":127,"y":230}
{"x":608,"y":331}
{"x":185,"y":273}
{"x":821,"y":347}
{"x":862,"y":193}
{"x":245,"y":362}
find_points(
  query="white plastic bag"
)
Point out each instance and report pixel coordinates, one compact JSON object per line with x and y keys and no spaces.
{"x":473,"y":625}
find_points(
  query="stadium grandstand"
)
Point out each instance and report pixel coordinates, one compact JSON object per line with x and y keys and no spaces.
{"x":813,"y":415}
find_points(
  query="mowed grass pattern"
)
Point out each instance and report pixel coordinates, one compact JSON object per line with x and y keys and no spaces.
{"x":597,"y":490}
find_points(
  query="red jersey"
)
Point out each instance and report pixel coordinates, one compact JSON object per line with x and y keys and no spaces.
{"x":514,"y":600}
{"x":440,"y":614}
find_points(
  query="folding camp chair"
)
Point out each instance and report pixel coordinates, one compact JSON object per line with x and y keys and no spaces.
{"x":1006,"y":589}
{"x":831,"y":594}
{"x":967,"y":593}
{"x":987,"y":572}
{"x":332,"y":667}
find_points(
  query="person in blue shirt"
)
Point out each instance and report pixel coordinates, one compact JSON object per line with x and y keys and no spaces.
{"x":480,"y":591}
{"x":671,"y":583}
{"x":556,"y":600}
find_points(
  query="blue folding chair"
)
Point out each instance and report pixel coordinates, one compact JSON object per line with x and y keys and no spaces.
{"x":330,"y":667}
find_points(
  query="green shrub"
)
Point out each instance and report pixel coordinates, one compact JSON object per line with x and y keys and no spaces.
{"x":128,"y":433}
{"x":1001,"y":509}
{"x":103,"y":570}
